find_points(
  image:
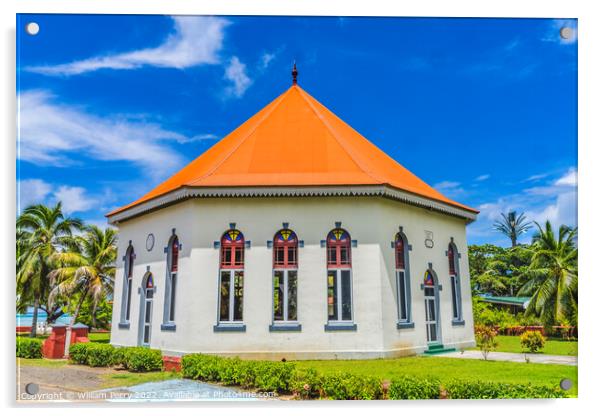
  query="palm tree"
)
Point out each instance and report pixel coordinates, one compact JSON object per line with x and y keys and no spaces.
{"x":552,"y":275}
{"x":512,"y":226}
{"x":87,"y":271}
{"x":41,"y":232}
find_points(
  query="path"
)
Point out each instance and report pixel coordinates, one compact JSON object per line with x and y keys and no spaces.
{"x":514,"y":357}
{"x":80,"y":383}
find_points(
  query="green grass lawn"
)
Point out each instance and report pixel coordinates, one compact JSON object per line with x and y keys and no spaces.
{"x":41,"y":362}
{"x":453,"y":368}
{"x":103,"y":337}
{"x":507,"y":343}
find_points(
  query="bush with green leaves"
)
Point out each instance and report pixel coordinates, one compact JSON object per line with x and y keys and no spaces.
{"x":139,"y":359}
{"x":532,"y":341}
{"x":460,"y":389}
{"x":99,"y":355}
{"x":305,"y":383}
{"x":29,"y":347}
{"x":347,"y":386}
{"x":413,"y":388}
{"x":78,"y":353}
{"x":273,"y":375}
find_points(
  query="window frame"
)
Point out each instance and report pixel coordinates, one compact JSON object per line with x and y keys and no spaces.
{"x":342,"y":241}
{"x":456,"y":294}
{"x":288,"y":242}
{"x":235,"y":244}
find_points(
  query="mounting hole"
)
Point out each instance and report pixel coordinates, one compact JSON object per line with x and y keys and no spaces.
{"x":32,"y":28}
{"x":566,"y":384}
{"x":566,"y":33}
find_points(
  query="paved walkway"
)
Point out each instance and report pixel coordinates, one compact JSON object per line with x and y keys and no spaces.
{"x":514,"y":357}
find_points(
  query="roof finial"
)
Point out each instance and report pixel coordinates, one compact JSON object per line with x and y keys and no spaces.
{"x":295,"y":73}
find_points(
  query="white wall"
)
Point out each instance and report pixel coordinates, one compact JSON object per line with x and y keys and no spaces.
{"x":371,"y":221}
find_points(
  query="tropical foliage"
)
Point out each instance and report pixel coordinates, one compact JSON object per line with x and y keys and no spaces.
{"x":512,"y":226}
{"x":42,"y":232}
{"x":552,"y":275}
{"x":63,"y":265}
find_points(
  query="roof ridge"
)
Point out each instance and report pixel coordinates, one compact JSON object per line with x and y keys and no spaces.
{"x":334,"y":136}
{"x":243,"y":139}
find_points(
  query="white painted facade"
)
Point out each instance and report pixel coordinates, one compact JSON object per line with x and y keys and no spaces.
{"x":372,"y":221}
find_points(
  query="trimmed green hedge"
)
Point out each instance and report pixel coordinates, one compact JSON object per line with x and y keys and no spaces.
{"x":29,"y":347}
{"x":308,"y":383}
{"x":459,"y":389}
{"x":281,"y":377}
{"x":413,"y":388}
{"x":135,"y":359}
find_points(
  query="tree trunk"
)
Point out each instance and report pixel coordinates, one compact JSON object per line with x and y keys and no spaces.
{"x":34,"y":320}
{"x":73,"y":319}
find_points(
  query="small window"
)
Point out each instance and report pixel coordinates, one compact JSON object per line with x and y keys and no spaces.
{"x":169,"y":314}
{"x":232,"y":250}
{"x":127,"y":287}
{"x":452,"y":256}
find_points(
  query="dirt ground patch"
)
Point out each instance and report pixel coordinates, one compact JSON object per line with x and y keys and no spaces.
{"x":61,"y":382}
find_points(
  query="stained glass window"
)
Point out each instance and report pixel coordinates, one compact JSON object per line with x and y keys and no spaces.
{"x":285,"y":249}
{"x":232,"y":250}
{"x":338,"y":248}
{"x":399,"y":252}
{"x":451,"y":256}
{"x":428,"y":279}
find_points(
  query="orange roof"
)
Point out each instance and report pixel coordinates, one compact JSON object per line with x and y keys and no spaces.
{"x":294,"y":141}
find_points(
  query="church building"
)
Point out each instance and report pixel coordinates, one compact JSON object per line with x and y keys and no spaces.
{"x":293,"y":237}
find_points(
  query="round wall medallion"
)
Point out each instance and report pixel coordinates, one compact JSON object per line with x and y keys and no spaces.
{"x":429,"y":243}
{"x":150,"y":242}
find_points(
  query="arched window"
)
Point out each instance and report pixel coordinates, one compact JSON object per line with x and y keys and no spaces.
{"x":403,"y":283}
{"x":148,"y":291}
{"x":173,"y":254}
{"x":127,"y":284}
{"x":431,"y":306}
{"x":452,"y":256}
{"x":339,"y":295}
{"x":232,"y":264}
{"x":285,"y":276}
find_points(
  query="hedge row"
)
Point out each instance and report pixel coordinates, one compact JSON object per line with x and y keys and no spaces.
{"x":29,"y":347}
{"x":281,"y":377}
{"x":307,"y":383}
{"x":136,"y":359}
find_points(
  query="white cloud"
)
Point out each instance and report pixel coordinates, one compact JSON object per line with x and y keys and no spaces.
{"x":38,"y":191}
{"x":236,"y":74}
{"x":569,"y":179}
{"x":450,"y":189}
{"x":266,"y":59}
{"x":536,"y":178}
{"x":31,"y":191}
{"x":556,"y":202}
{"x":74,"y":199}
{"x":57,"y":135}
{"x":196,"y":40}
{"x":482,"y":177}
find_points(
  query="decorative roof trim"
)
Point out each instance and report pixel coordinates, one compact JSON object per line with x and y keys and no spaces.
{"x":385,"y":191}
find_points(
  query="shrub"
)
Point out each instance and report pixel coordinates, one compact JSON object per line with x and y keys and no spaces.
{"x":29,"y":347}
{"x":228,"y":370}
{"x":458,"y":389}
{"x":485,"y":337}
{"x":345,"y":386}
{"x":78,"y":353}
{"x":305,"y":383}
{"x":532,"y":341}
{"x":273,"y":375}
{"x":412,"y":388}
{"x":99,"y":355}
{"x":140,"y":359}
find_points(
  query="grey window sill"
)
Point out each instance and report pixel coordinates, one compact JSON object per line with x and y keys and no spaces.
{"x":405,"y":325}
{"x":227,"y":327}
{"x":458,"y":323}
{"x":168,"y":327}
{"x":331,"y":326}
{"x":123,"y":325}
{"x":290,"y":327}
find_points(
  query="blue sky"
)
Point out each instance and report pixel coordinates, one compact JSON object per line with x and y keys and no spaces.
{"x":485,"y":110}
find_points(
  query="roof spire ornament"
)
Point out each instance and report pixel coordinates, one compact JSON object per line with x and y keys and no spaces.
{"x":295,"y":73}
